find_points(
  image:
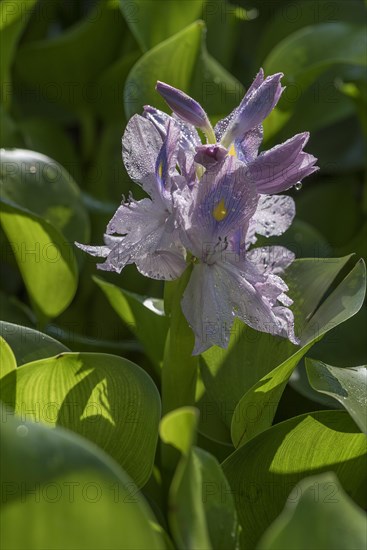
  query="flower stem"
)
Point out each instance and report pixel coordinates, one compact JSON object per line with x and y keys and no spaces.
{"x":179,"y":371}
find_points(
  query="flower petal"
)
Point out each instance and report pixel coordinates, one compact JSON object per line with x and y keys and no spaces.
{"x":274,"y":215}
{"x":271,"y":259}
{"x":223,"y":201}
{"x":183,"y":105}
{"x":254,"y":109}
{"x":282,"y":166}
{"x":141,"y":144}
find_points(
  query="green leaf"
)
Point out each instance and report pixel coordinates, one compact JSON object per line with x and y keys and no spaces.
{"x":42,"y":216}
{"x":65,"y":67}
{"x":70,"y":495}
{"x":305,"y":54}
{"x":39,"y":184}
{"x":183,"y":62}
{"x":242,"y":370}
{"x":199,"y":496}
{"x":105,"y":398}
{"x":13,"y":18}
{"x":8,"y":362}
{"x":47,"y":264}
{"x":14,"y":311}
{"x":48,"y":137}
{"x":320,"y":512}
{"x":29,"y":344}
{"x":344,"y":345}
{"x":153,"y":22}
{"x":293,"y":17}
{"x":143,"y":316}
{"x":315,"y":318}
{"x":262,"y":472}
{"x":109,"y":89}
{"x":303,"y":57}
{"x":347,"y":385}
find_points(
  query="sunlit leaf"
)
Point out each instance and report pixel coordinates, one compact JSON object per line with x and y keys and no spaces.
{"x":183,"y":62}
{"x":142,"y":315}
{"x":317,"y":510}
{"x":29,"y":344}
{"x":69,"y":495}
{"x":263,"y":471}
{"x":347,"y":385}
{"x":153,"y":22}
{"x":105,"y":398}
{"x":199,"y":496}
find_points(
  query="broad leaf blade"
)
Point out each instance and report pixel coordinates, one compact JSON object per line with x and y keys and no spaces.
{"x":342,"y":302}
{"x":143,"y":316}
{"x":29,"y":344}
{"x":347,"y":385}
{"x":263,"y":471}
{"x":67,"y":482}
{"x":320,"y":512}
{"x":105,"y":398}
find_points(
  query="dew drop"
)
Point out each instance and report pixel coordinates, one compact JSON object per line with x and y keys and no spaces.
{"x":22,"y":430}
{"x":32,"y":169}
{"x":298,"y":186}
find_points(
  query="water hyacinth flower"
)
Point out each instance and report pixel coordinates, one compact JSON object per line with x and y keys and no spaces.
{"x":207,"y":204}
{"x":240,"y":134}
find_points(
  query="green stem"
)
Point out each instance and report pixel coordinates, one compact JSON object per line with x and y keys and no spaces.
{"x":179,"y":371}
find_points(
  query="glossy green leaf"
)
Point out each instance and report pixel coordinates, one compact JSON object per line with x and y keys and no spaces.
{"x":153,"y":22}
{"x":36,"y":133}
{"x":69,"y":495}
{"x":45,"y":260}
{"x":35,"y":182}
{"x":292,"y":17}
{"x":29,"y":344}
{"x":8,"y":362}
{"x":344,"y":345}
{"x":66,"y":67}
{"x":183,"y":62}
{"x":105,"y":398}
{"x":317,"y":317}
{"x":303,"y":55}
{"x":262,"y":472}
{"x":14,"y":311}
{"x":199,"y":496}
{"x":109,"y":89}
{"x":347,"y":385}
{"x":42,"y":216}
{"x":242,"y":370}
{"x":143,"y":316}
{"x":320,"y":512}
{"x":13,"y":18}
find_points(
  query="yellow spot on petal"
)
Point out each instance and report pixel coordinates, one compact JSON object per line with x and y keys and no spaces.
{"x":160,"y":170}
{"x":232,"y":151}
{"x":219,"y":211}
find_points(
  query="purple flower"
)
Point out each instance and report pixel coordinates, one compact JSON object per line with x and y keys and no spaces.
{"x":144,"y":231}
{"x":227,"y":281}
{"x":207,"y":204}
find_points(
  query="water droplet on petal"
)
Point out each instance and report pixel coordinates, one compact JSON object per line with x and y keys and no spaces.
{"x":32,"y":169}
{"x":298,"y":186}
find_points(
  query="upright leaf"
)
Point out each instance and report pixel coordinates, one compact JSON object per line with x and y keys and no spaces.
{"x":263,"y":471}
{"x":347,"y":385}
{"x":320,"y":512}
